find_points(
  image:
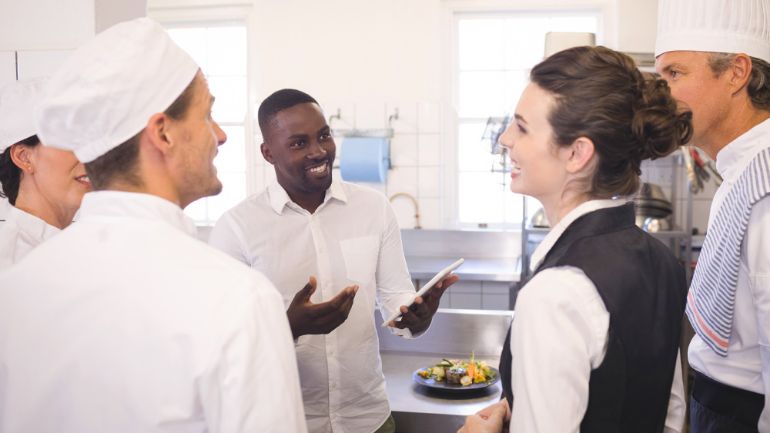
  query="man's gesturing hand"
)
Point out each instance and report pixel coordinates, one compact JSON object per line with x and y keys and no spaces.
{"x":306,"y":317}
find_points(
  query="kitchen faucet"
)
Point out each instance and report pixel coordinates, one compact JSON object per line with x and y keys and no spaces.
{"x":414,"y":202}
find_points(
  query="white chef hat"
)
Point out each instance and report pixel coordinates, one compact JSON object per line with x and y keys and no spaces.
{"x":17,"y":120}
{"x":725,"y":26}
{"x":107,"y":90}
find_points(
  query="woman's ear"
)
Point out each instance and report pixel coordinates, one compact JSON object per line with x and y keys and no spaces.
{"x":579,"y":155}
{"x":23,"y":157}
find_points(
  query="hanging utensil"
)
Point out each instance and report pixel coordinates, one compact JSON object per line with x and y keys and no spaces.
{"x":692,"y":178}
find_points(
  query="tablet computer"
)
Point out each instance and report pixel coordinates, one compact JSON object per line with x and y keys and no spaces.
{"x":438,"y":277}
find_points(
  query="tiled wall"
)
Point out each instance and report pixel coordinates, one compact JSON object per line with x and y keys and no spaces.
{"x":416,"y":154}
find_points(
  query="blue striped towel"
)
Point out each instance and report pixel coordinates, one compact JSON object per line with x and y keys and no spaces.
{"x":711,"y":299}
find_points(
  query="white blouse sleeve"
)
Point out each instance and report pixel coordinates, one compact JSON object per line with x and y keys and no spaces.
{"x":676,"y":402}
{"x":558,"y":336}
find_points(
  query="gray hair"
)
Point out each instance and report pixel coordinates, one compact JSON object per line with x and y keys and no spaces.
{"x":758,"y":86}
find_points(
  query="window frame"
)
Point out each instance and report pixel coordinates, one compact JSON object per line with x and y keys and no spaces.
{"x":452,"y":12}
{"x":171,"y":13}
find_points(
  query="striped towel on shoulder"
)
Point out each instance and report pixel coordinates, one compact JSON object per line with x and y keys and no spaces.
{"x":711,"y":300}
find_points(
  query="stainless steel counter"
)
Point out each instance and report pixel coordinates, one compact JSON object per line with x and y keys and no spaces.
{"x":474,"y":269}
{"x":417,"y":408}
{"x":490,"y":255}
{"x":453,"y":334}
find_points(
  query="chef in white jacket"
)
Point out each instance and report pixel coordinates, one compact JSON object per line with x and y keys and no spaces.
{"x":125,"y":322}
{"x":715,"y":55}
{"x":43,"y":185}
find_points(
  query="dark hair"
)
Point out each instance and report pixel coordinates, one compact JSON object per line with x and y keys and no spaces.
{"x":601,"y":95}
{"x":10,"y":174}
{"x":121,"y":161}
{"x":758,"y":86}
{"x":279,"y":101}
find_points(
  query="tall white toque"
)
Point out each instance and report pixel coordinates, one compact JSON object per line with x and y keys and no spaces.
{"x":723,"y":26}
{"x":107,"y":90}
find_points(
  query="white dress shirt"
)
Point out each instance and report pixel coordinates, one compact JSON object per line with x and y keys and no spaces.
{"x":352,"y":238}
{"x":20,"y":233}
{"x":562,"y":307}
{"x":747,"y":365}
{"x":126,"y":323}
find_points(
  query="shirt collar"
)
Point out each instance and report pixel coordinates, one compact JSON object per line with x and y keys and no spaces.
{"x":135,"y":205}
{"x":733,"y":158}
{"x":31,"y":224}
{"x":550,"y":239}
{"x":279,"y":198}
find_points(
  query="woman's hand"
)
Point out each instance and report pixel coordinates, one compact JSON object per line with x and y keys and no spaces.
{"x":492,"y":419}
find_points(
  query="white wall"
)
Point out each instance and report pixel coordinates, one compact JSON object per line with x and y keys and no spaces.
{"x":45,"y":24}
{"x":109,"y":12}
{"x":367,"y":58}
{"x":639,"y":20}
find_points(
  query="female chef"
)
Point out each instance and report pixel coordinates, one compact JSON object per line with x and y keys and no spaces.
{"x":594,"y":343}
{"x":44,"y":185}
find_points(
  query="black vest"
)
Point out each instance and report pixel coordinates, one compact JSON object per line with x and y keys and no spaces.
{"x":643,"y":288}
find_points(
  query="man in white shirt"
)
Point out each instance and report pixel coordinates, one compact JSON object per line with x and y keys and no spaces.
{"x":125,"y":322}
{"x":715,"y":56}
{"x":310,"y":225}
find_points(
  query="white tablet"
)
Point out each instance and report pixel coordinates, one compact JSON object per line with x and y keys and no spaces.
{"x":438,"y":277}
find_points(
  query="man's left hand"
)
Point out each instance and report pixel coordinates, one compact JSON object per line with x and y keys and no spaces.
{"x":418,"y":317}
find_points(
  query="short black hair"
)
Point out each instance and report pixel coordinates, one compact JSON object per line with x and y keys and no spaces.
{"x":279,"y":101}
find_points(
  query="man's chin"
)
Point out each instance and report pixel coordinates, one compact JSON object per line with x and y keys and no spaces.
{"x":319,"y":184}
{"x":214,"y":189}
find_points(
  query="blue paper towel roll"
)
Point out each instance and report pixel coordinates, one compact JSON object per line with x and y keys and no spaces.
{"x":365,"y":159}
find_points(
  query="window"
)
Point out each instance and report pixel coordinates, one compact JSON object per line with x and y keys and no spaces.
{"x":221,"y":52}
{"x":494,"y":56}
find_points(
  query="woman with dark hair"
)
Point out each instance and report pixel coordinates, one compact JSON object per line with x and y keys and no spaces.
{"x":594,"y":343}
{"x":44,"y":185}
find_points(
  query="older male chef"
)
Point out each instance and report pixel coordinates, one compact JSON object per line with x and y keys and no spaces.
{"x":125,"y":322}
{"x":307,"y":224}
{"x":715,"y":55}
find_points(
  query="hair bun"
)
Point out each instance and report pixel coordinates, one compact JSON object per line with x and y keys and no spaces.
{"x":657,"y":125}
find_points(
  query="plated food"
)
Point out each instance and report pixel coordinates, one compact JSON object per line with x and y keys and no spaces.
{"x":459,"y":373}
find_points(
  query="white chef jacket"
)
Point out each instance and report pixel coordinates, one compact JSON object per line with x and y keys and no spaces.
{"x":747,"y":365}
{"x":126,"y":323}
{"x":352,"y":238}
{"x":550,"y":382}
{"x":20,"y":233}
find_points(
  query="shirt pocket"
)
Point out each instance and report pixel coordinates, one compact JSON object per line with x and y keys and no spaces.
{"x":360,"y":255}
